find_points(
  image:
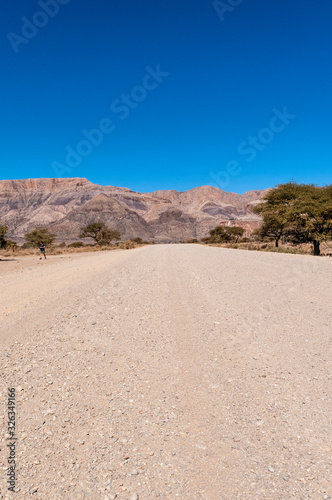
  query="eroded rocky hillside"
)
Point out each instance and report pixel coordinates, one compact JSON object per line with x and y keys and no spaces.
{"x":65,"y":205}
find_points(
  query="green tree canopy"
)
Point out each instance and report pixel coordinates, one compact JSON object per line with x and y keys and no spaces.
{"x":311,"y":220}
{"x":276,"y":211}
{"x":102,"y":234}
{"x":300,"y":211}
{"x":224,"y":234}
{"x":235,"y":232}
{"x":40,"y":234}
{"x":271,"y":228}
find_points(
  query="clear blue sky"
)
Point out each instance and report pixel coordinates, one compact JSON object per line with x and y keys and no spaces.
{"x":226,"y":76}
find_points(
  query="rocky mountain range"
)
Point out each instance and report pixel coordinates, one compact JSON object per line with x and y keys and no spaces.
{"x":66,"y":205}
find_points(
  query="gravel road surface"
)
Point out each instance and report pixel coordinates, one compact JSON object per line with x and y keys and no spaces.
{"x":168,"y":371}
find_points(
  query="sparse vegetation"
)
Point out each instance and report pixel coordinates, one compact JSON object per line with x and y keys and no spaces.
{"x":42,"y":234}
{"x":302,"y":249}
{"x":132,"y":243}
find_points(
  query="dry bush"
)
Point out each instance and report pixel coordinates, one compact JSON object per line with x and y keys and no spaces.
{"x":128,"y":245}
{"x":53,"y":251}
{"x":73,"y":248}
{"x":304,"y":249}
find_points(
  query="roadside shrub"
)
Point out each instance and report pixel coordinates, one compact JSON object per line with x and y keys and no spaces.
{"x":127,"y":245}
{"x":3,"y":232}
{"x":76,"y":244}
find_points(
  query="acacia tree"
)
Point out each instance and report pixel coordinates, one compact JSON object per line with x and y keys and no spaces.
{"x":102,"y":234}
{"x":311,"y":220}
{"x":276,"y":210}
{"x":3,"y":232}
{"x":301,"y":212}
{"x":271,"y":228}
{"x":40,"y":234}
{"x":224,"y":234}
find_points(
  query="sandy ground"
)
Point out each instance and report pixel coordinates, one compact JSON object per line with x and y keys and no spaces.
{"x":170,"y":371}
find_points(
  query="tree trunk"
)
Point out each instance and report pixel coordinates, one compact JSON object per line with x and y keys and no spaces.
{"x":316,"y":247}
{"x":277,"y":242}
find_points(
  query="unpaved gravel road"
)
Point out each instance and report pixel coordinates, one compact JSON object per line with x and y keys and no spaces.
{"x":170,"y":371}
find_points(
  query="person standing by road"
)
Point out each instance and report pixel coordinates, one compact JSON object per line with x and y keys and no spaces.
{"x":42,"y":249}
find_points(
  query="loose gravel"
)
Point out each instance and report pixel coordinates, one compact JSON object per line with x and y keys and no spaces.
{"x":168,"y":371}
